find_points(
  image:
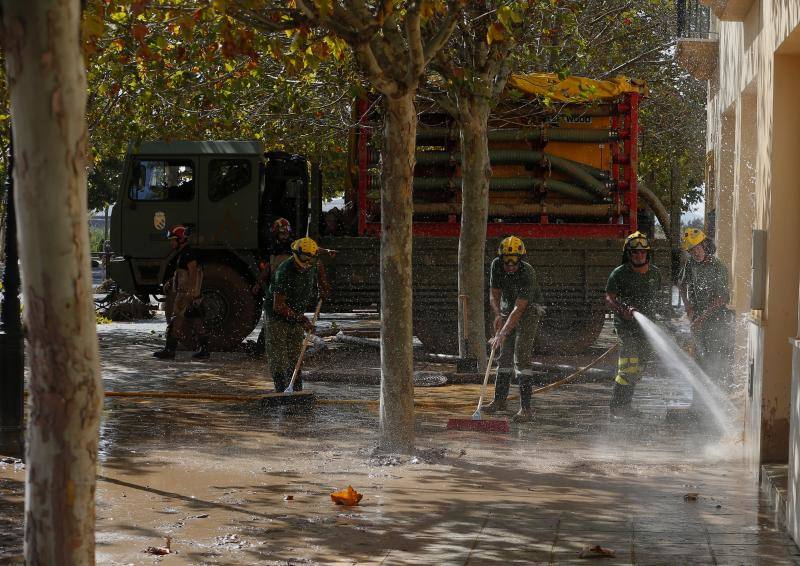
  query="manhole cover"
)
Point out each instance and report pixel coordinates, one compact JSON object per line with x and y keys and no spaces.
{"x":429,"y":379}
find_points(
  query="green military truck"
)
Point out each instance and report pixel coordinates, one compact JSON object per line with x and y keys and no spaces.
{"x":225,"y":192}
{"x":566,"y":184}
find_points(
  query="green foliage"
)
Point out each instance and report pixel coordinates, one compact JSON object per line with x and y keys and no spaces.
{"x":96,"y":239}
{"x":605,"y":38}
{"x":181,"y":70}
{"x":186,"y":70}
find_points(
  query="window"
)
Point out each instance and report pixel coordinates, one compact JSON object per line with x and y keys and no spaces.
{"x":162,"y":179}
{"x":226,"y":176}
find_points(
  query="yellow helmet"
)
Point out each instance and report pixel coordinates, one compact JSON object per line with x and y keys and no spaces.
{"x":511,"y":248}
{"x":692,"y":237}
{"x":304,"y":251}
{"x":636,"y":241}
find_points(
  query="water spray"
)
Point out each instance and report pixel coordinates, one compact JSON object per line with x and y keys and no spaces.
{"x":673,"y":357}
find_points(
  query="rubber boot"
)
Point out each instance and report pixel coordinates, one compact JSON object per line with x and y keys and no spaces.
{"x":500,"y":393}
{"x":261,"y":343}
{"x":621,"y":398}
{"x":168,"y":353}
{"x":280,"y":381}
{"x":203,"y":353}
{"x":525,"y":414}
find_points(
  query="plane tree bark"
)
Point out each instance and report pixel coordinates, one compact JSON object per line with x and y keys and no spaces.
{"x":47,"y":87}
{"x":475,"y":70}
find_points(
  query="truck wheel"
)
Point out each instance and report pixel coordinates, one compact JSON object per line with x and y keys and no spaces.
{"x":231,"y":309}
{"x":569,"y":334}
{"x":437,"y":337}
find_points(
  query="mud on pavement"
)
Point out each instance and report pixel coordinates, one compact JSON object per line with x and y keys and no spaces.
{"x":230,"y":483}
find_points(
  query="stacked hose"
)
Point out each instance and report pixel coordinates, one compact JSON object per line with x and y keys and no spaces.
{"x":588,"y":178}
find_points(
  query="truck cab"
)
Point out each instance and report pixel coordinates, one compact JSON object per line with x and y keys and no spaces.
{"x":226,"y":193}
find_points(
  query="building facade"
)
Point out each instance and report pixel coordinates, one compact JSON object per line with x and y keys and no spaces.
{"x":750,"y":57}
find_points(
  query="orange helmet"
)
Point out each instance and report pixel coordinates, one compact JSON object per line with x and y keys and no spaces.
{"x":280,"y":225}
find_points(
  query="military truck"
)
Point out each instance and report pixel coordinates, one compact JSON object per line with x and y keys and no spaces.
{"x":225,"y":193}
{"x":564,"y":179}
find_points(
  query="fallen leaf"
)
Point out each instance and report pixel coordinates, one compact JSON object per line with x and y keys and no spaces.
{"x":596,"y":551}
{"x":159,"y":550}
{"x":691,"y":496}
{"x":347,"y":496}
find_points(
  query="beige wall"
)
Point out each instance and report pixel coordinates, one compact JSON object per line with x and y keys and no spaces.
{"x":754,"y":108}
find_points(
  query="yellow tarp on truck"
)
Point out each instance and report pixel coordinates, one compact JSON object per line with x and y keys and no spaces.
{"x":574,"y":89}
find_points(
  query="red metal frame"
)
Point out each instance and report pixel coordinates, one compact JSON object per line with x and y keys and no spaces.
{"x":624,"y":119}
{"x":363,"y":164}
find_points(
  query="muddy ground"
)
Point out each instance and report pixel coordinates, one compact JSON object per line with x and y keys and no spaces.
{"x":231,"y":483}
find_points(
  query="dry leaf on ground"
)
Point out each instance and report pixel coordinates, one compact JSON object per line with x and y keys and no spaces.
{"x":347,"y":496}
{"x":691,"y":496}
{"x":159,"y":550}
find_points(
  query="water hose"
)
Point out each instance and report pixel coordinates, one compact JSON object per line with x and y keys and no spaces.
{"x":510,"y":184}
{"x":529,"y":157}
{"x":575,"y":375}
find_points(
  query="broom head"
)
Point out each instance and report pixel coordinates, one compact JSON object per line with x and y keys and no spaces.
{"x":488,"y":425}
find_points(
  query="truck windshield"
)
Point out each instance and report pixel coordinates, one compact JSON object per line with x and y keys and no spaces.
{"x":162,"y":179}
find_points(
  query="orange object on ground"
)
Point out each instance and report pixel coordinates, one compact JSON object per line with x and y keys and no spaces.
{"x":347,"y":496}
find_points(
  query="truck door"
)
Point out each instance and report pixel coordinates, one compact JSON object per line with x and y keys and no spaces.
{"x":228,"y":214}
{"x":160,"y":192}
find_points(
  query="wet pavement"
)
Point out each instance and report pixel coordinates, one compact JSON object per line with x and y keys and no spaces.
{"x":231,"y":483}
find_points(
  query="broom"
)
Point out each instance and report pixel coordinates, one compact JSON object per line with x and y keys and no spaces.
{"x":477,"y":423}
{"x":296,"y":372}
{"x":289,"y":395}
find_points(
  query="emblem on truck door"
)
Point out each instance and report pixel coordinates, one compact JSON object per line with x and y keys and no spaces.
{"x":159,"y":220}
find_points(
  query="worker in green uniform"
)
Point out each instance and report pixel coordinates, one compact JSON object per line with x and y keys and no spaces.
{"x":514,"y":298}
{"x":705,"y":292}
{"x":634,"y":286}
{"x":295,"y":286}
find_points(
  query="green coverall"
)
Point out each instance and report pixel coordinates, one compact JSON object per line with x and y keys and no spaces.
{"x":517,"y":352}
{"x":705,"y":285}
{"x":285,"y":337}
{"x":641,"y":291}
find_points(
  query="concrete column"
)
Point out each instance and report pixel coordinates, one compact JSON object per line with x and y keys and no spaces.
{"x":783,"y":268}
{"x":743,"y":201}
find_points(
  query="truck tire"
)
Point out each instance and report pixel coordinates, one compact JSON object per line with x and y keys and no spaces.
{"x":231,"y":309}
{"x":437,"y":336}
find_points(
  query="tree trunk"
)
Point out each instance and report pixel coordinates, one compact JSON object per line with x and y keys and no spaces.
{"x":47,"y":85}
{"x":475,"y":173}
{"x":397,"y":363}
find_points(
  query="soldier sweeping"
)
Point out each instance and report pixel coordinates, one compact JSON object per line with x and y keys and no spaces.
{"x":184,"y":308}
{"x":278,"y":250}
{"x":632,"y":287}
{"x":514,"y":296}
{"x":296,"y":285}
{"x":705,"y":291}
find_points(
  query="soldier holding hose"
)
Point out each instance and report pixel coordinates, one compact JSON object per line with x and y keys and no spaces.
{"x":632,"y":287}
